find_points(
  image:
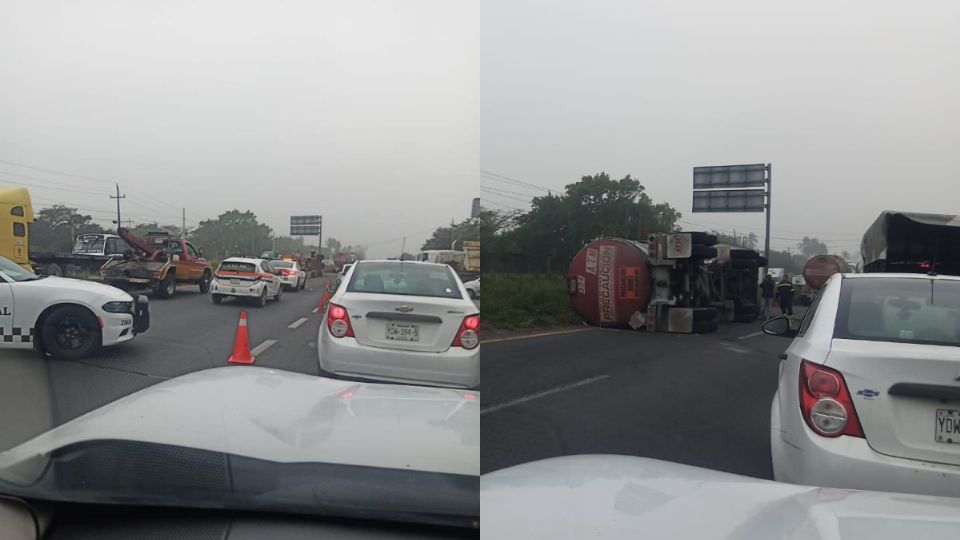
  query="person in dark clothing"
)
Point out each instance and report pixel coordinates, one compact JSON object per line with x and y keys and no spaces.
{"x":767,"y":287}
{"x":785,"y":296}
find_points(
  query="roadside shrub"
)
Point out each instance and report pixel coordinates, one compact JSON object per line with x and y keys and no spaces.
{"x":526,"y":301}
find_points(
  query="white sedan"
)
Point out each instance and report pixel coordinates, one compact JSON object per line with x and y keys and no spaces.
{"x":604,"y":497}
{"x":869,"y":396}
{"x":473,"y":287}
{"x":66,"y":318}
{"x":292,"y":276}
{"x":405,"y":322}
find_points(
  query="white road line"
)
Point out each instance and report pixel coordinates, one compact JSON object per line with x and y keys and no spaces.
{"x":315,"y":310}
{"x":544,"y":393}
{"x":734,"y":348}
{"x":297,"y":323}
{"x":755,"y":334}
{"x":262,"y":347}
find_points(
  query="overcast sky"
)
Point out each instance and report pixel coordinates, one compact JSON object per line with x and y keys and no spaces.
{"x":363,"y":111}
{"x":854,"y":103}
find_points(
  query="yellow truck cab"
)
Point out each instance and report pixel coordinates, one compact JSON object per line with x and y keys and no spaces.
{"x":16,"y":214}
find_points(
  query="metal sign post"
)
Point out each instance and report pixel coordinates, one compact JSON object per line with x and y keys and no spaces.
{"x":735,"y":188}
{"x":766,"y":238}
{"x":311,"y":225}
{"x":305,"y":225}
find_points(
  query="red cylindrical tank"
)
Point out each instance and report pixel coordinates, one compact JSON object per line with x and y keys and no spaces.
{"x":819,"y":268}
{"x":609,"y":280}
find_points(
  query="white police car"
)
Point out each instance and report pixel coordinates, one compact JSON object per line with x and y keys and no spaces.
{"x":244,"y":277}
{"x":66,"y":318}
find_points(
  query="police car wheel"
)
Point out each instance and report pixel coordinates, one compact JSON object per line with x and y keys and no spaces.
{"x":262,"y":301}
{"x":71,"y":333}
{"x":217,"y":298}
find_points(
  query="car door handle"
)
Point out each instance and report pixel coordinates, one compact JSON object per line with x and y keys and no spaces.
{"x":783,"y":356}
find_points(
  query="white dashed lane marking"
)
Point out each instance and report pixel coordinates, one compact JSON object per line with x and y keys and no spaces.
{"x":545,"y":393}
{"x":755,"y":334}
{"x":263,"y":346}
{"x":298,"y":322}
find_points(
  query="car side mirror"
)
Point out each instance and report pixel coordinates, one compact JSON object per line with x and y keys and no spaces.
{"x":778,"y":326}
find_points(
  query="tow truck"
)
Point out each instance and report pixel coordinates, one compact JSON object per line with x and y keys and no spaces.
{"x":159,"y":263}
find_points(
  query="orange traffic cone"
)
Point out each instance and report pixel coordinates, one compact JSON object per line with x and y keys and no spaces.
{"x":241,"y":345}
{"x":325,"y":298}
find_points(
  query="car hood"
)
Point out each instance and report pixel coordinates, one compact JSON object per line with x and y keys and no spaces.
{"x":78,"y":285}
{"x":613,"y":497}
{"x":281,"y":417}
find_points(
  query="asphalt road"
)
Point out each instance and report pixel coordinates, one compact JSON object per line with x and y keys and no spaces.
{"x":696,"y":399}
{"x":187,"y":333}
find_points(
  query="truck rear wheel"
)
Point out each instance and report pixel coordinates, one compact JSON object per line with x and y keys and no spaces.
{"x":70,"y":333}
{"x":53,"y":269}
{"x":167,"y":286}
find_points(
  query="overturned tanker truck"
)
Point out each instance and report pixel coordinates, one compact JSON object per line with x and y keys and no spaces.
{"x":677,"y":282}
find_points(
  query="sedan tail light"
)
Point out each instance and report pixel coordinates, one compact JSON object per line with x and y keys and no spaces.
{"x":825,"y":402}
{"x":338,"y":321}
{"x":468,"y":336}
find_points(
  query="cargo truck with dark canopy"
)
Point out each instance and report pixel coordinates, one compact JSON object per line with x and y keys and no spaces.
{"x":912,"y":242}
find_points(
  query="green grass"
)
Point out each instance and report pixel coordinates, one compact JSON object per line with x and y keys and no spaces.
{"x":526,"y":301}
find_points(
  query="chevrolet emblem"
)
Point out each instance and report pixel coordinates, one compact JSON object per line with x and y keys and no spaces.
{"x":404,"y":309}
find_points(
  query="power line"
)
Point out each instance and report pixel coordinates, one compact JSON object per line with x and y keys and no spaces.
{"x":25,"y":166}
{"x":19,"y":183}
{"x":44,"y":180}
{"x":836,"y":236}
{"x":102,"y":211}
{"x":501,"y":178}
{"x":93,"y":179}
{"x":504,"y":196}
{"x":501,"y":204}
{"x":510,"y":192}
{"x":719,"y":227}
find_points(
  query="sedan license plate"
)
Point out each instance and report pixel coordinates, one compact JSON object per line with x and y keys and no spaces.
{"x":403,"y":332}
{"x":947,"y":429}
{"x":234,"y":281}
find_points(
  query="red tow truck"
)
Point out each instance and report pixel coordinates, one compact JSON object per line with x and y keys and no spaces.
{"x":159,"y":263}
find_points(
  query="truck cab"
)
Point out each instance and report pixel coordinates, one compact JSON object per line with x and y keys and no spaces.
{"x":109,"y":245}
{"x":16,"y":213}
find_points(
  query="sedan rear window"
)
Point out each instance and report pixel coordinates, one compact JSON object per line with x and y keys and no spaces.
{"x":405,"y":279}
{"x":905,"y":310}
{"x":230,"y":266}
{"x":281,"y":264}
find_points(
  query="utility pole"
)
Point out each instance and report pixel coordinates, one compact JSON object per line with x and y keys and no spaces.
{"x":403,"y":247}
{"x":118,"y":197}
{"x":183,"y":226}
